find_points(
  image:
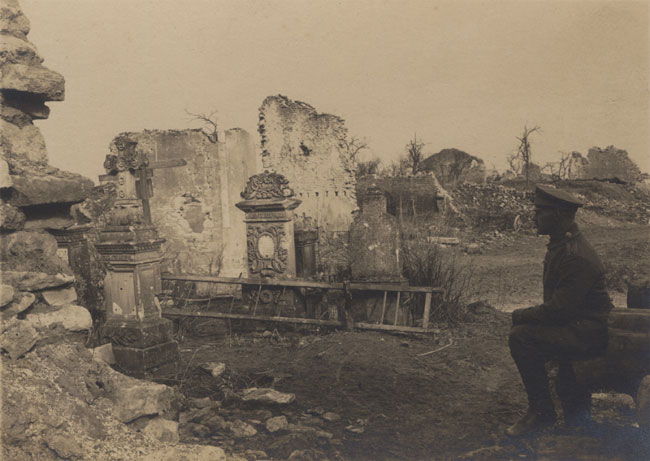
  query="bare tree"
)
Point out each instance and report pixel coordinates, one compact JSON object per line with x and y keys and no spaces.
{"x":560,"y":169}
{"x":521,"y":161}
{"x":209,"y":122}
{"x":414,"y":154}
{"x":353,"y":146}
{"x":367,"y":168}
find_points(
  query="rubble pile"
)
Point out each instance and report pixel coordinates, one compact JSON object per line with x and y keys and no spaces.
{"x":257,"y":422}
{"x":494,"y":207}
{"x":61,"y":401}
{"x":620,"y":201}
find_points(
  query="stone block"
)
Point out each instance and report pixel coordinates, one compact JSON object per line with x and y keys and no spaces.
{"x":12,"y":19}
{"x":267,"y":395}
{"x":35,"y":79}
{"x":69,"y":316}
{"x":104,"y":353}
{"x":5,"y":177}
{"x":51,"y":188}
{"x":216,"y":369}
{"x":25,"y":140}
{"x":155,"y":360}
{"x":18,"y":338}
{"x":59,"y":297}
{"x":22,"y":303}
{"x":34,"y":281}
{"x":6,"y":294}
{"x":11,"y":218}
{"x":279,"y":423}
{"x":133,"y":399}
{"x":162,"y":429}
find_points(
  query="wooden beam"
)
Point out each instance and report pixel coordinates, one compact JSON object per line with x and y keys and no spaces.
{"x":331,"y":323}
{"x":302,"y":283}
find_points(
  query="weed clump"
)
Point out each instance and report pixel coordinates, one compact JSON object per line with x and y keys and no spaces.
{"x":427,"y":263}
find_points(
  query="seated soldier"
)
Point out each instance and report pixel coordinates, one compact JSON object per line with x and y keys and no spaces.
{"x":571,"y":323}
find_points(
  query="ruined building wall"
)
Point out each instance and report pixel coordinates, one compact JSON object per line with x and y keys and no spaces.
{"x":193,"y":206}
{"x":306,"y":147}
{"x":611,"y":162}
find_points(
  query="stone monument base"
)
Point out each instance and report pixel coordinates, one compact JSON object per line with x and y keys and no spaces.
{"x":143,"y":349}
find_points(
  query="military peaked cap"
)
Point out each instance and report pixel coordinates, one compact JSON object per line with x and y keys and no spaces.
{"x":550,"y":197}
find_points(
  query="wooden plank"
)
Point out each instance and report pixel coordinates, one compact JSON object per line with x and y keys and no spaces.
{"x":427,"y":311}
{"x":397,"y":307}
{"x":249,"y":281}
{"x":383,"y":307}
{"x":221,"y":315}
{"x":390,"y":287}
{"x":332,"y":323}
{"x":302,"y":283}
{"x":401,"y":328}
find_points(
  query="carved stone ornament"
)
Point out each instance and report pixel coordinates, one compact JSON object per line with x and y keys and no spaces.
{"x":127,"y":158}
{"x":267,"y":186}
{"x":266,"y":256}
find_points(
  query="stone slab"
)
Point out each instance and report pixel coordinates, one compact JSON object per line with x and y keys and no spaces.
{"x":6,"y":294}
{"x":69,"y":316}
{"x":34,"y":281}
{"x":60,"y":296}
{"x":21,"y":304}
{"x":36,"y":79}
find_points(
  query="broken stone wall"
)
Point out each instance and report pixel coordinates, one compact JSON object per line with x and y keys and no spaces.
{"x":37,"y":292}
{"x":609,"y":163}
{"x":193,"y":206}
{"x":307,"y":148}
{"x":453,"y":167}
{"x":407,"y":196}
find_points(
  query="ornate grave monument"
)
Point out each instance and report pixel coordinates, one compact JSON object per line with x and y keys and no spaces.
{"x":130,"y":246}
{"x":268,"y":204}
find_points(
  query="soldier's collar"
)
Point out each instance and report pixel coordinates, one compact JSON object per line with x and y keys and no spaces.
{"x":572,"y":232}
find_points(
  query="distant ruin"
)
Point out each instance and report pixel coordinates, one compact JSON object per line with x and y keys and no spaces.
{"x":611,"y":162}
{"x":453,"y":166}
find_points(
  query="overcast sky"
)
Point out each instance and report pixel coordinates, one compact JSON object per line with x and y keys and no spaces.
{"x":464,"y":74}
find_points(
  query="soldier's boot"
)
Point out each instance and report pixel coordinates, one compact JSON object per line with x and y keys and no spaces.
{"x":575,"y":397}
{"x":540,"y":415}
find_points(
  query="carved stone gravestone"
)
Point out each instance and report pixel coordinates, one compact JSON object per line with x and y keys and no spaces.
{"x":268,"y":204}
{"x":130,"y":246}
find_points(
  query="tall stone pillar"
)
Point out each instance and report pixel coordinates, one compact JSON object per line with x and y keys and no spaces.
{"x":142,"y":340}
{"x":268,"y":204}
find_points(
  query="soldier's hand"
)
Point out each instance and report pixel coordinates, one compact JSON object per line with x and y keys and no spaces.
{"x":518,"y":316}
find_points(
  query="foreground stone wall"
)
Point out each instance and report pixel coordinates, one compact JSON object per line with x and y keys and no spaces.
{"x":308,"y":149}
{"x":193,"y":206}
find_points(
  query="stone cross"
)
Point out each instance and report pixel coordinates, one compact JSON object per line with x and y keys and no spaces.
{"x":132,"y":173}
{"x":144,"y":185}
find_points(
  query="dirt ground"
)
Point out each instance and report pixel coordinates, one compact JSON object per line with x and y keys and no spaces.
{"x":449,"y":395}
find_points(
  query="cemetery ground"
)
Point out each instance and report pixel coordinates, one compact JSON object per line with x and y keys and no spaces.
{"x":372,"y":396}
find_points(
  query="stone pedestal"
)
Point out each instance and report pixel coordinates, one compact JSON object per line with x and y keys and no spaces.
{"x":271,"y":253}
{"x":130,"y":247}
{"x":142,"y":340}
{"x":73,"y":248}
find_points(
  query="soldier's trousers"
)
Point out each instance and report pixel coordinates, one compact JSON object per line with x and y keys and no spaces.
{"x":532,"y":346}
